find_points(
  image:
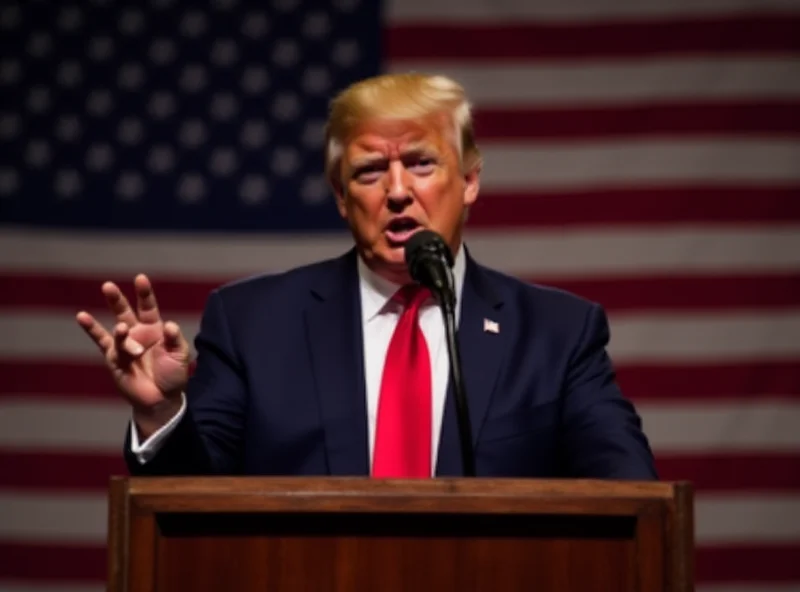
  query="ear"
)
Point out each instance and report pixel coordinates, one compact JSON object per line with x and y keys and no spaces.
{"x":472,"y":183}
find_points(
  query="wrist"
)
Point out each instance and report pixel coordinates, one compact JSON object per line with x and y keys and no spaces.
{"x":150,"y":419}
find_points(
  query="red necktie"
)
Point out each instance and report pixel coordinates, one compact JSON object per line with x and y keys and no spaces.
{"x":403,"y":431}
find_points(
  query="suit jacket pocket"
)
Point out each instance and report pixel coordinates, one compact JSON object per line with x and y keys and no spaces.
{"x":520,"y":422}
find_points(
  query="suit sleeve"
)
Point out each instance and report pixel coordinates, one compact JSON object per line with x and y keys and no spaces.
{"x":208,"y":439}
{"x":603,"y":436}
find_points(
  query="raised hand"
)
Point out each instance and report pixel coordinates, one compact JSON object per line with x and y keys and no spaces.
{"x":148,"y":358}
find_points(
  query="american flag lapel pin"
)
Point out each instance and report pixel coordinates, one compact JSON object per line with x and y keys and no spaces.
{"x":490,"y":326}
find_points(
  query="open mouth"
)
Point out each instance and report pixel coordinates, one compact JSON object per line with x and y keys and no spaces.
{"x":400,"y":230}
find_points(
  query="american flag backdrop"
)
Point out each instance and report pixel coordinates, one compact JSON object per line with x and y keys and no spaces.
{"x":644,"y":154}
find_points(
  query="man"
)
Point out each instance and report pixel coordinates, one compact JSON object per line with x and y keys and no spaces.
{"x":327,"y":370}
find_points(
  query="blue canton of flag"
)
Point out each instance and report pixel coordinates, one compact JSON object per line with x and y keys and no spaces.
{"x":175,"y":114}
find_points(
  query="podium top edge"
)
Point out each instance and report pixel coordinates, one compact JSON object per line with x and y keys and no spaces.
{"x":349,"y":486}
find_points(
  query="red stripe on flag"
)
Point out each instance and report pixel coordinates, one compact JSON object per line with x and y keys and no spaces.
{"x":640,"y":382}
{"x":740,"y":472}
{"x":675,"y":294}
{"x":725,"y":382}
{"x":52,"y":563}
{"x":60,"y":471}
{"x":745,"y":34}
{"x":719,"y":119}
{"x":45,"y":292}
{"x":57,"y":378}
{"x":734,"y":472}
{"x":774,"y":563}
{"x":33,"y":291}
{"x":721,"y":204}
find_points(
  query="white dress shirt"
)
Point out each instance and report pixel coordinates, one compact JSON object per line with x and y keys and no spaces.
{"x":379,"y":316}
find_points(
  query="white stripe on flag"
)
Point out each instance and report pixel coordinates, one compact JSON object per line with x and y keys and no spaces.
{"x":29,"y":516}
{"x":618,"y":82}
{"x":77,"y":426}
{"x":668,"y":337}
{"x":481,"y":11}
{"x":665,"y":338}
{"x":617,"y":251}
{"x":35,"y":517}
{"x":584,"y":253}
{"x":94,"y":425}
{"x":683,"y":162}
{"x":733,"y":427}
{"x":722,"y":519}
{"x":58,"y":335}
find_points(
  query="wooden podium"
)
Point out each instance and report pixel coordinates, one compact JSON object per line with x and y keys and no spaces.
{"x":438,"y":535}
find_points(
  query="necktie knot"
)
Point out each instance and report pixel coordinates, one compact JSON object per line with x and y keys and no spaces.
{"x":411,"y":296}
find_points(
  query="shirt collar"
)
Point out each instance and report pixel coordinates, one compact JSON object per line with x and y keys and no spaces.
{"x":376,"y":291}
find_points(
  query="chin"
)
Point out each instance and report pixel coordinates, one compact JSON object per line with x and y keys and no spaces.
{"x":395,"y":256}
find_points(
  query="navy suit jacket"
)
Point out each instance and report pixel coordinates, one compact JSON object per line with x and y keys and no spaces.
{"x":279,"y":385}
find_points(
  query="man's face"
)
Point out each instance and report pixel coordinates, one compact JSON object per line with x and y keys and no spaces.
{"x":399,"y":178}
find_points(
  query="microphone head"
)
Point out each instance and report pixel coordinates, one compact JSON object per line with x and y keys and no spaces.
{"x":421,"y":248}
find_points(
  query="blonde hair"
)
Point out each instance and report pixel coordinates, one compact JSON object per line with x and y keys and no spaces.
{"x":400,"y":96}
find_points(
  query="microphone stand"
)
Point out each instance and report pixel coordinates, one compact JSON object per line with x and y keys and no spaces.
{"x":447,"y":302}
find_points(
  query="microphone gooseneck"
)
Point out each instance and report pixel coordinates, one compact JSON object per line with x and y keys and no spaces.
{"x":430,"y":263}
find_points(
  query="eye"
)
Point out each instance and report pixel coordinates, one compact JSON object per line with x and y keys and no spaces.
{"x":368,"y":177}
{"x":422,"y":164}
{"x":368,"y":173}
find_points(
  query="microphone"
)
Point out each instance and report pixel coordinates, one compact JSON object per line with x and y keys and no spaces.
{"x":430,"y":263}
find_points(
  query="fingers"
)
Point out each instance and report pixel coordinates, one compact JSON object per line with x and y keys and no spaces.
{"x":126,"y":345}
{"x":146,"y":305}
{"x":118,"y":304}
{"x":173,"y":339}
{"x":130,"y":321}
{"x":95,"y":330}
{"x":104,"y":340}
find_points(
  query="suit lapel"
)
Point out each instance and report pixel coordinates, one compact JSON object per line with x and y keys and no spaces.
{"x":335,"y":340}
{"x":482,"y":353}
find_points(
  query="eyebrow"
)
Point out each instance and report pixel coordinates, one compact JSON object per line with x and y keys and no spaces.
{"x":376,"y":158}
{"x":414,"y":149}
{"x":366,"y":161}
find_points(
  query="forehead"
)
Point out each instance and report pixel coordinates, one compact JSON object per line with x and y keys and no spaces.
{"x":394,"y":136}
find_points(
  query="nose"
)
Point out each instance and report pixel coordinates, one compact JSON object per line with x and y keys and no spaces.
{"x":398,"y":188}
